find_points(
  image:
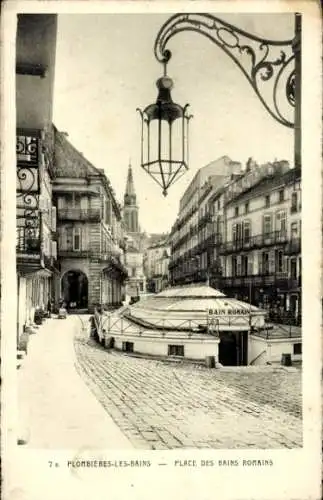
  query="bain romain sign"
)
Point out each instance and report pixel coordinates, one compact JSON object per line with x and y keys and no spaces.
{"x":228,"y":312}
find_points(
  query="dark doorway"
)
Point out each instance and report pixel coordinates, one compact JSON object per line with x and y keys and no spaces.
{"x":75,"y":290}
{"x":127,"y":346}
{"x":228,"y":349}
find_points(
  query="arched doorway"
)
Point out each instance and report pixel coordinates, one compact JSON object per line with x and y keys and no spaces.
{"x":75,"y":289}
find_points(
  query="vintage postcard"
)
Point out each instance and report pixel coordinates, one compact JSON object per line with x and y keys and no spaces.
{"x":161,"y":250}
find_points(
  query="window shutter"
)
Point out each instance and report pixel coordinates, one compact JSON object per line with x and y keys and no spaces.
{"x":260,"y":267}
{"x":42,"y":203}
{"x":285,"y":264}
{"x":239,"y":265}
{"x":54,"y":212}
{"x":272,"y":261}
{"x":84,"y":202}
{"x":250,"y":264}
{"x":60,"y":202}
{"x":234,"y":232}
{"x":69,"y":236}
{"x":54,"y":249}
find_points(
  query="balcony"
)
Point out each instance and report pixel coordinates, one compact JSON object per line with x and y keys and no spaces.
{"x":258,"y":241}
{"x":28,"y":147}
{"x":74,"y":254}
{"x":108,"y":258}
{"x":30,"y":256}
{"x":293,"y":246}
{"x":28,"y":241}
{"x":206,"y":219}
{"x":79,"y":214}
{"x":278,"y":280}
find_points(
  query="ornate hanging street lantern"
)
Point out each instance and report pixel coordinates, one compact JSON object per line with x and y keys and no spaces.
{"x":164,"y":136}
{"x":272,"y":67}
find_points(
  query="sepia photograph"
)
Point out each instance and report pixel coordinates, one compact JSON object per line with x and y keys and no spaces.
{"x":158,"y":234}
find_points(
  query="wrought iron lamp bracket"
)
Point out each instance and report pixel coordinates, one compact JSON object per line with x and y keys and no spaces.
{"x":268,"y":65}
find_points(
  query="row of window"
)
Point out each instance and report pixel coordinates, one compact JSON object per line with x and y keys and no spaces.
{"x":242,"y":230}
{"x":267,"y":263}
{"x":81,"y":201}
{"x":73,"y":239}
{"x":267,"y":201}
{"x":173,"y":350}
{"x":178,"y":350}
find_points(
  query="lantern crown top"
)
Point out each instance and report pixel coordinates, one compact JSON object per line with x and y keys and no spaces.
{"x":165,"y":82}
{"x":164,"y":108}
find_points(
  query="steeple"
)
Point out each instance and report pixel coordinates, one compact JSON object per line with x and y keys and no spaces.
{"x":130,"y":208}
{"x":130,"y":194}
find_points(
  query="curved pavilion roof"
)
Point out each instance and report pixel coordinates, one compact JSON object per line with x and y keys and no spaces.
{"x":194,"y":305}
{"x":191,"y":291}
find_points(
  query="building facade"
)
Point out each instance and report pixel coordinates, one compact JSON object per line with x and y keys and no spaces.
{"x":156,"y":265}
{"x":136,"y":241}
{"x":248,"y":239}
{"x":262,"y":250}
{"x":36,"y":246}
{"x":190,"y":233}
{"x":91,"y":247}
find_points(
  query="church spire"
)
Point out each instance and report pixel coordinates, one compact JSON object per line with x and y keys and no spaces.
{"x":130,"y":204}
{"x":130,"y":187}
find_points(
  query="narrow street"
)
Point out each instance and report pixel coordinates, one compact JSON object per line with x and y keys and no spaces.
{"x":56,"y":409}
{"x":101,"y":399}
{"x":159,"y":405}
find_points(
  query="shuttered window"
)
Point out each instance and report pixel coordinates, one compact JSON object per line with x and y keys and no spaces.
{"x":267,"y":224}
{"x":54,"y":219}
{"x":246,"y":231}
{"x":77,"y":238}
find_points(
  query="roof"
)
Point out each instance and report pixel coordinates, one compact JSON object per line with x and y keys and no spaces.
{"x":68,"y":161}
{"x":268,"y":184}
{"x":188,"y":291}
{"x":194,"y":306}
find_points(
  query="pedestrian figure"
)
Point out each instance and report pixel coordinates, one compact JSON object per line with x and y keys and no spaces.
{"x":49,"y":306}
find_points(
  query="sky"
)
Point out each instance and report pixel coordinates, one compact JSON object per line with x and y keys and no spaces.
{"x":106,"y":68}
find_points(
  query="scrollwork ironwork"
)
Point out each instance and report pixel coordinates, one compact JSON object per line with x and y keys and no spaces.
{"x":27,"y":178}
{"x":27,"y":192}
{"x":27,"y":149}
{"x":269,"y":63}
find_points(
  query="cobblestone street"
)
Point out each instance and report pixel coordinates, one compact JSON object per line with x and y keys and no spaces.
{"x":159,"y":405}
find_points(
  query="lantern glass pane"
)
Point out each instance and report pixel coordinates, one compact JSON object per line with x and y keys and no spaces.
{"x":153,"y":143}
{"x":164,"y":141}
{"x":177,"y":140}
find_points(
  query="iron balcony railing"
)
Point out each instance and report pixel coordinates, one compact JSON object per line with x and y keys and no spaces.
{"x":79,"y":214}
{"x":279,"y":280}
{"x":108,"y":257}
{"x":30,"y":250}
{"x":205,"y":219}
{"x":293,"y":246}
{"x":28,"y":240}
{"x":258,"y":241}
{"x":28,"y":145}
